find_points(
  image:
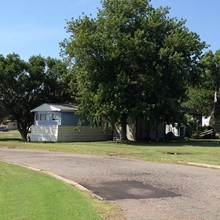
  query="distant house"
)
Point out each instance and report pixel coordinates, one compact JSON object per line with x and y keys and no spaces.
{"x":141,"y":130}
{"x":60,"y":123}
{"x":12,"y":125}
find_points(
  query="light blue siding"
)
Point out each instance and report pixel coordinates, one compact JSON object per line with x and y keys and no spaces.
{"x":72,"y":119}
{"x":59,"y":118}
{"x":68,"y":118}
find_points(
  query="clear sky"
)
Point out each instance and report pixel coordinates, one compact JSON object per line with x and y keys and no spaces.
{"x":36,"y":27}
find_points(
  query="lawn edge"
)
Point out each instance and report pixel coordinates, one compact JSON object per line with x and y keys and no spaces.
{"x":67,"y":181}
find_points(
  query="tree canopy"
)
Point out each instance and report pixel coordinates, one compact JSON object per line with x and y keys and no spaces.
{"x":131,"y":60}
{"x":211,"y":70}
{"x":25,"y":85}
{"x":201,"y":96}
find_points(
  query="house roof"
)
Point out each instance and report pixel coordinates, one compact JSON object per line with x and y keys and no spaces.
{"x":52,"y":107}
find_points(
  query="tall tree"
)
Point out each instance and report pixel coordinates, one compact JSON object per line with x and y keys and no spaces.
{"x":25,"y":85}
{"x":132,"y":60}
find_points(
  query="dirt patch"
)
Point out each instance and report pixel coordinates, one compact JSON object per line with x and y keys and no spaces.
{"x":178,"y":153}
{"x":121,"y":154}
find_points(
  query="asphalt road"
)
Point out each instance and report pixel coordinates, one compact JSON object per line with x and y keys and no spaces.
{"x":143,"y":190}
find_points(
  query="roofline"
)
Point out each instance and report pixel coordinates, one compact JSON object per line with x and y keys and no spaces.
{"x":69,"y":108}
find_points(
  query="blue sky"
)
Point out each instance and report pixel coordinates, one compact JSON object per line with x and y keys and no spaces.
{"x":36,"y":27}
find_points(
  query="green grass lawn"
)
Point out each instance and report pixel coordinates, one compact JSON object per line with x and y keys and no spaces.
{"x":197,"y":151}
{"x":27,"y":194}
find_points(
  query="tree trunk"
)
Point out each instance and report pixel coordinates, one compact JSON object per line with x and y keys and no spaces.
{"x":157,"y":136}
{"x":22,"y":130}
{"x":123,"y":135}
{"x":23,"y":134}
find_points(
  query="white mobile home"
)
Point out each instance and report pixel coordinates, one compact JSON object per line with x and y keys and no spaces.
{"x":60,"y":123}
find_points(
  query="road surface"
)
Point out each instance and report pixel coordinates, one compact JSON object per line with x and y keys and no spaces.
{"x":143,"y":190}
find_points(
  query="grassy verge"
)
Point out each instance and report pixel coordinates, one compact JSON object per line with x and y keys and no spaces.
{"x":26,"y":194}
{"x":197,"y":151}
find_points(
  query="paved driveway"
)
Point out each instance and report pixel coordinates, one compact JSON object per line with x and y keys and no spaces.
{"x":143,"y":190}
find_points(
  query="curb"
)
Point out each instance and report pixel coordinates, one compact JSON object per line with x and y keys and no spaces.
{"x":67,"y":181}
{"x":204,"y":165}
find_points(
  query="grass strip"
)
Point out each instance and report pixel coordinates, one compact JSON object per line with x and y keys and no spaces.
{"x":195,"y":151}
{"x":27,"y":194}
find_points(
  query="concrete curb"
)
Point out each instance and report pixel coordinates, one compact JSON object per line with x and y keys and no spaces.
{"x":67,"y":181}
{"x":204,"y":165}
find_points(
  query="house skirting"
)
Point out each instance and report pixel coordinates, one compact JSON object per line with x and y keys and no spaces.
{"x":56,"y":133}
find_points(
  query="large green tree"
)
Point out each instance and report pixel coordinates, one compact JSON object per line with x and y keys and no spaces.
{"x":132,"y":60}
{"x":25,"y":85}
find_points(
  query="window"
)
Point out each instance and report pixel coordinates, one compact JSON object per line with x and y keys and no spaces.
{"x":37,"y":117}
{"x":55,"y":117}
{"x":47,"y":117}
{"x":42,"y":117}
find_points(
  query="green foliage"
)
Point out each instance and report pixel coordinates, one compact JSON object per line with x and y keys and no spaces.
{"x":201,"y":96}
{"x":211,"y":70}
{"x":25,"y":85}
{"x":192,"y":127}
{"x":200,"y":100}
{"x":132,"y":60}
